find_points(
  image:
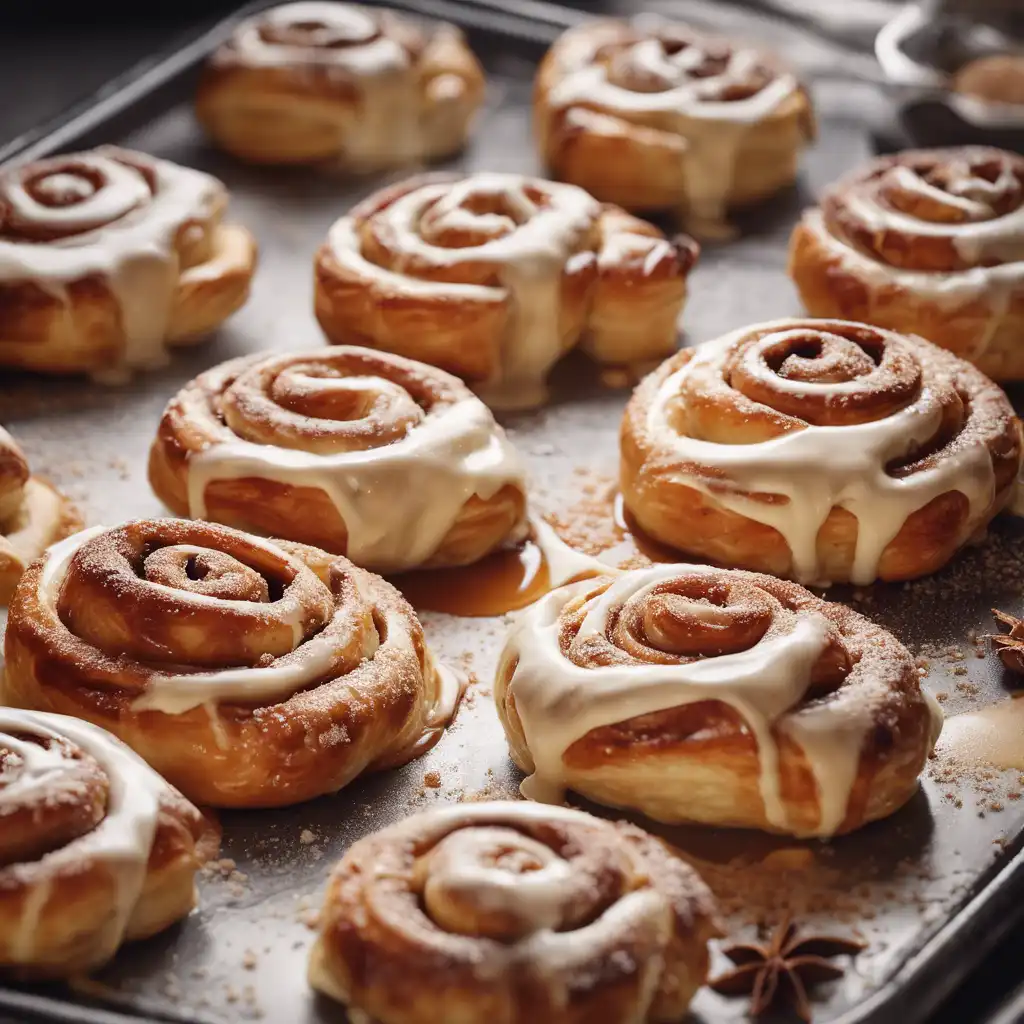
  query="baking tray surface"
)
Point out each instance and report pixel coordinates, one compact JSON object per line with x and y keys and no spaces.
{"x":897,"y":883}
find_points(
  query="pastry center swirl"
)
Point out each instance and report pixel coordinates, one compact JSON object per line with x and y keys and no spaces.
{"x":843,"y":375}
{"x":64,"y":197}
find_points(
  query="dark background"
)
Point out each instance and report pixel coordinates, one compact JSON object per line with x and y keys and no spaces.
{"x":51,"y":58}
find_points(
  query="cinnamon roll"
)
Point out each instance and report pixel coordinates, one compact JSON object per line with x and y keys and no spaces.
{"x":715,"y":696}
{"x":32,"y":515}
{"x":494,"y":277}
{"x":822,"y":450}
{"x":248,"y":672}
{"x":391,"y":462}
{"x":95,"y":848}
{"x":653,"y":115}
{"x":308,"y":82}
{"x":929,"y":242}
{"x":109,"y":257}
{"x":515,"y":913}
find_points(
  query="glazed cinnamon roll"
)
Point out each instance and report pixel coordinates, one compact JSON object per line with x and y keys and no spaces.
{"x":715,"y":696}
{"x":109,"y":257}
{"x":391,"y":462}
{"x":32,"y":515}
{"x":494,"y":277}
{"x":515,"y":913}
{"x":248,"y":672}
{"x":652,"y":115}
{"x":95,"y":848}
{"x":308,"y":82}
{"x":929,"y":242}
{"x":822,"y":450}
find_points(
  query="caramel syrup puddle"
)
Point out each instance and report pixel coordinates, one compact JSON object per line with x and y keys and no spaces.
{"x":512,"y":578}
{"x":502,"y":582}
{"x":992,"y":736}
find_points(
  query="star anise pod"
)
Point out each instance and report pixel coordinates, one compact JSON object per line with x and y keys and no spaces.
{"x":782,"y":969}
{"x":1009,"y":646}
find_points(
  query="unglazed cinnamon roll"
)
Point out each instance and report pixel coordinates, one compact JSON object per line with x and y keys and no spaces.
{"x":32,"y":515}
{"x":822,"y":450}
{"x":248,"y":672}
{"x":308,"y":82}
{"x":652,"y":115}
{"x":516,"y":913}
{"x":926,"y":241}
{"x":715,"y":696}
{"x":109,"y":257}
{"x":494,"y":277}
{"x":394,"y":463}
{"x":95,"y":848}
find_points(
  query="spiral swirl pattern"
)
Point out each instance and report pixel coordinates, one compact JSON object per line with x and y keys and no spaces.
{"x":121,"y":255}
{"x":929,"y":241}
{"x":513,"y":272}
{"x":95,"y":848}
{"x":180,"y":637}
{"x":859,"y":452}
{"x":738,"y":699}
{"x":311,"y":81}
{"x":652,"y":114}
{"x":539,"y":901}
{"x":392,"y":462}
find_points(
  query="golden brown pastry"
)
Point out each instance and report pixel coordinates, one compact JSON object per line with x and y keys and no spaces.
{"x":308,"y":82}
{"x":95,"y":848}
{"x":998,"y":78}
{"x":248,"y":672}
{"x":822,"y":450}
{"x":391,"y":462}
{"x":109,"y":257}
{"x":715,"y":696}
{"x":32,"y":515}
{"x":929,"y":242}
{"x":515,"y":913}
{"x":494,"y":277}
{"x":652,"y":115}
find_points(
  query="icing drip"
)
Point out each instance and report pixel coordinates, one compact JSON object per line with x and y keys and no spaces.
{"x":701,"y":91}
{"x":997,"y":285}
{"x":122,"y":841}
{"x":113,"y":223}
{"x":764,"y":678}
{"x":819,"y":468}
{"x":399,"y":500}
{"x":528,"y":247}
{"x":310,"y":660}
{"x":354,"y":47}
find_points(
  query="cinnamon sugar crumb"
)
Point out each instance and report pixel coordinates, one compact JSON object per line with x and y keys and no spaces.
{"x":432,"y":780}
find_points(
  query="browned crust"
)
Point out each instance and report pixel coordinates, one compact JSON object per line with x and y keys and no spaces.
{"x":378,"y":944}
{"x":688,"y":520}
{"x":72,"y":930}
{"x":312,"y":743}
{"x":307,"y":514}
{"x":619,"y":312}
{"x":704,"y":758}
{"x":634,"y":160}
{"x":296,"y":115}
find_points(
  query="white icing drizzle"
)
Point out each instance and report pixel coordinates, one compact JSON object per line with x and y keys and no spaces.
{"x":398,"y":501}
{"x":997,"y":285}
{"x":133,"y":248}
{"x":559,"y":702}
{"x":392,"y":125}
{"x":121,"y":842}
{"x":529,"y":259}
{"x":821,"y":468}
{"x":174,"y":694}
{"x":564,"y":562}
{"x":711,"y":130}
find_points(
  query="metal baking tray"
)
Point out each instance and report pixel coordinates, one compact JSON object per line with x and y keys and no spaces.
{"x":930,"y":889}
